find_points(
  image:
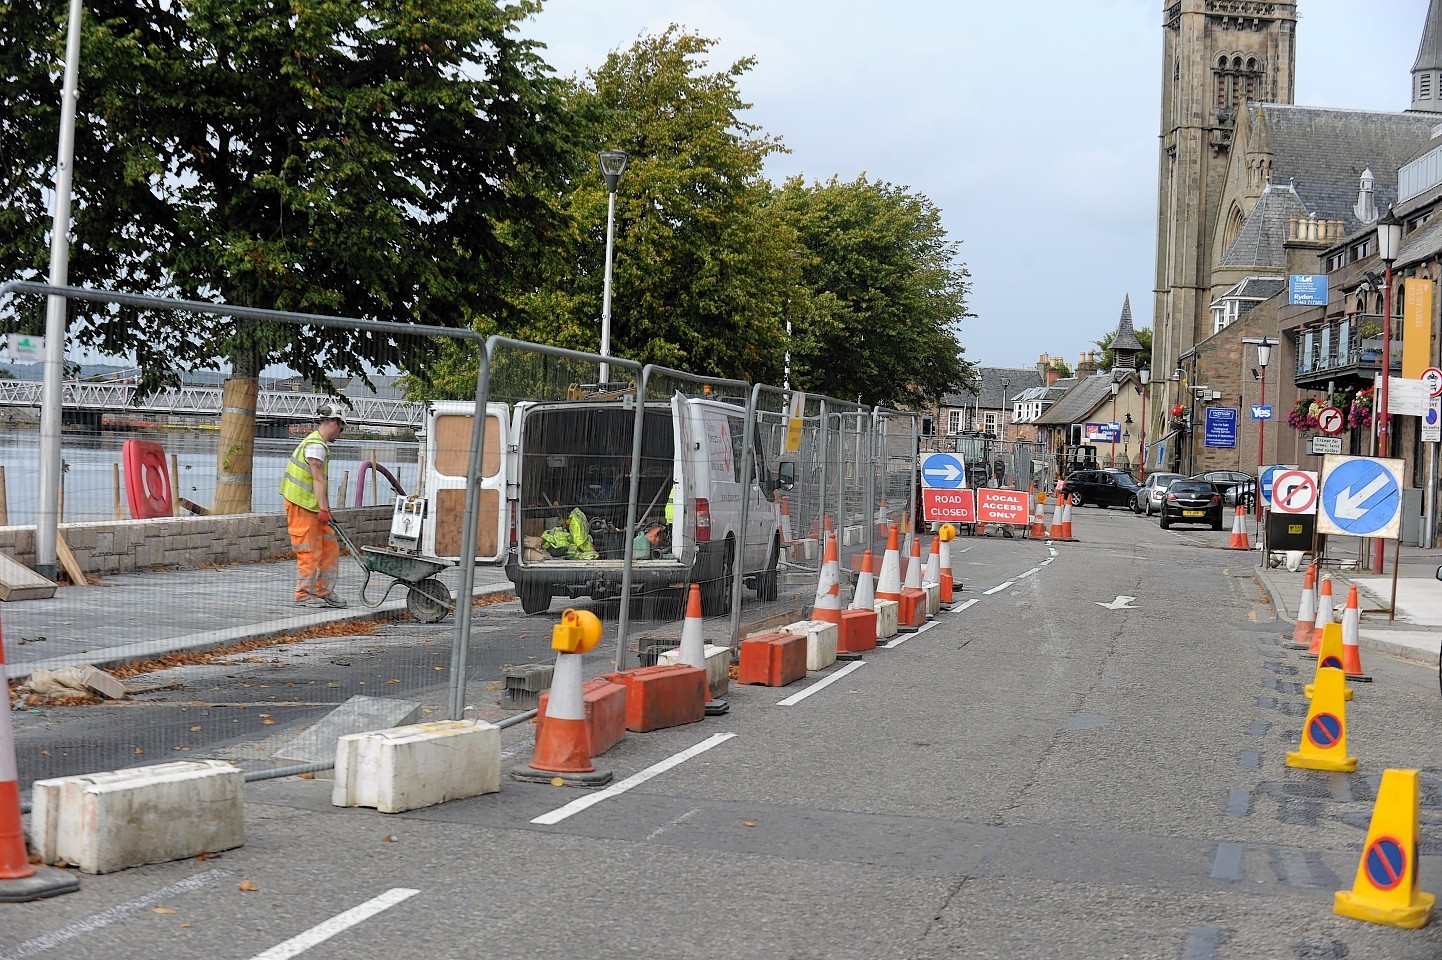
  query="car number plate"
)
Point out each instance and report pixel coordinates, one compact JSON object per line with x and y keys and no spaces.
{"x":1194,"y":513}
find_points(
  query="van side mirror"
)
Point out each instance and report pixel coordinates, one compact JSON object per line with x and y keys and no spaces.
{"x":786,"y":475}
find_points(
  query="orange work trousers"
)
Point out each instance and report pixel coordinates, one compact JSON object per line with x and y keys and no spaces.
{"x":317,"y":553}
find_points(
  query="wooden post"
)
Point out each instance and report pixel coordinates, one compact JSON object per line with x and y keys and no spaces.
{"x":373,"y":460}
{"x":4,"y":501}
{"x":174,"y":485}
{"x":340,"y":498}
{"x":235,"y":457}
{"x":117,"y":513}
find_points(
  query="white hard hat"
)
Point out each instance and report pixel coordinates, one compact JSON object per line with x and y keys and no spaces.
{"x":331,"y":410}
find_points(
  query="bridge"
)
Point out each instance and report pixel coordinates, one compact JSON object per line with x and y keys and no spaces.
{"x":86,"y":401}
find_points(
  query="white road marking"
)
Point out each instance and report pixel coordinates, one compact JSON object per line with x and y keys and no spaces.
{"x":901,"y":638}
{"x":960,"y":607}
{"x":797,"y":697}
{"x":106,"y":917}
{"x":998,"y":588}
{"x":339,"y":923}
{"x":1023,"y":576}
{"x":635,"y":780}
{"x":1051,"y":550}
{"x":961,"y":550}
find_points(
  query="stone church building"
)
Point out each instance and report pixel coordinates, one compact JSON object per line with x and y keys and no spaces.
{"x":1254,"y":189}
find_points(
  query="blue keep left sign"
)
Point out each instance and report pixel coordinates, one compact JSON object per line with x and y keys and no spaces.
{"x":1361,"y":497}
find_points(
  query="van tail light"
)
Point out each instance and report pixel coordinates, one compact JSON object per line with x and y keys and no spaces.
{"x":703,"y":520}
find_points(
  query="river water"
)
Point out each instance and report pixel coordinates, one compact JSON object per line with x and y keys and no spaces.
{"x":89,"y":480}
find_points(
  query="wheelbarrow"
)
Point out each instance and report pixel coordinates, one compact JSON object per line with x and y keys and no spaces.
{"x":427,"y":599}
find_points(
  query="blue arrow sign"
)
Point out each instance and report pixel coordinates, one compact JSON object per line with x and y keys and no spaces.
{"x":943,"y":471}
{"x":1261,"y":411}
{"x":1361,"y":497}
{"x":1269,"y":474}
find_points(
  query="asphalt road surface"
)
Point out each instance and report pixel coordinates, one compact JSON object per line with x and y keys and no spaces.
{"x":1050,"y":771}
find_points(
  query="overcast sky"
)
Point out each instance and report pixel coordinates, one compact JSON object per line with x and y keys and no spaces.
{"x":1032,"y":126}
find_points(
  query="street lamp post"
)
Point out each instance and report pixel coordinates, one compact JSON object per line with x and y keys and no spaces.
{"x":1005,"y":408}
{"x":1389,"y":243}
{"x":1116,"y":388}
{"x":1264,"y":356}
{"x":613,"y":164}
{"x":1145,"y":376}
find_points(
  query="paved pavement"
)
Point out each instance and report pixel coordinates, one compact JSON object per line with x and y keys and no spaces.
{"x":1414,"y":631}
{"x":134,"y":616}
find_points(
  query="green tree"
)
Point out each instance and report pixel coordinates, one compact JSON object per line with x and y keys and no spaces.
{"x":887,"y":293}
{"x":1144,"y":335}
{"x":392,"y":161}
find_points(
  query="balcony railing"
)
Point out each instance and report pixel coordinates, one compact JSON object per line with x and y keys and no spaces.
{"x":1339,"y":348}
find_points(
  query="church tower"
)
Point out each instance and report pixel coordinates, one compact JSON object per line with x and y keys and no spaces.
{"x":1217,"y":55}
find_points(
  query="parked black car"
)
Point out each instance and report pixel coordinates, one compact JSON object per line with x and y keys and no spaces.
{"x":1192,"y":501}
{"x":1226,"y":480}
{"x":1104,"y":488}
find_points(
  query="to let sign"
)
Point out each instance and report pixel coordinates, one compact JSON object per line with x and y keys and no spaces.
{"x":1307,"y":290}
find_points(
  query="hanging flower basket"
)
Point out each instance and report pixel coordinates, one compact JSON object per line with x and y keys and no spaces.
{"x":1360,"y":413}
{"x":1303,"y":415}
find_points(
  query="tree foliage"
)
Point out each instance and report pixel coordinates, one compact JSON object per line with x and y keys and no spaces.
{"x":348,"y":157}
{"x":886,"y":293}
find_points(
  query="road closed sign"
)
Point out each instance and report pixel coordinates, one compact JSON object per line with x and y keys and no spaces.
{"x":1002,"y":506}
{"x":953,"y":506}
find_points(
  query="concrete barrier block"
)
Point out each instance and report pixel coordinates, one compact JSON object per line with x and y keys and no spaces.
{"x":805,"y":549}
{"x":887,"y":619}
{"x":420,"y":765}
{"x":104,"y":822}
{"x":933,"y":598}
{"x":718,"y":667}
{"x":850,"y":536}
{"x":821,"y":637}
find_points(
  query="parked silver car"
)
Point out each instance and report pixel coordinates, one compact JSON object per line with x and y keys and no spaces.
{"x":1149,"y":498}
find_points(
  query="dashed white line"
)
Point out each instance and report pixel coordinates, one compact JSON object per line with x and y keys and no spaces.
{"x":962,"y":606}
{"x":635,"y":780}
{"x":901,"y":638}
{"x":339,"y":923}
{"x":1023,"y":576}
{"x":106,"y":917}
{"x":998,"y":588}
{"x":797,"y":697}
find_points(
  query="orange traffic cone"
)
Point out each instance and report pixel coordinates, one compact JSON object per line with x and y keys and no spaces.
{"x":888,"y":583}
{"x":912,"y":579}
{"x":1351,"y":650}
{"x":563,"y":742}
{"x":785,"y":519}
{"x":880,"y":521}
{"x":1239,"y":531}
{"x":1058,"y":513}
{"x":932,"y":571}
{"x":19,"y":881}
{"x":865,"y":596}
{"x":1306,"y":612}
{"x":1038,"y":523}
{"x":1325,"y":615}
{"x":948,"y":584}
{"x":906,"y":557}
{"x":828,"y":587}
{"x":1066,"y":533}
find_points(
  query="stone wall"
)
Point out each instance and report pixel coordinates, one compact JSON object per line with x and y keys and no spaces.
{"x":128,"y":546}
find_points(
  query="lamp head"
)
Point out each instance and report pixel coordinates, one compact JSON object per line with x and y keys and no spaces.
{"x":613,"y":164}
{"x":1389,"y":237}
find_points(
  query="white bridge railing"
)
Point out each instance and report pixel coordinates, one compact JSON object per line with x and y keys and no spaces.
{"x":205,"y":401}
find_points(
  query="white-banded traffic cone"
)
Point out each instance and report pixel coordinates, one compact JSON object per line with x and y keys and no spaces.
{"x":888,"y":583}
{"x":905,"y":558}
{"x":828,"y":586}
{"x":912,"y":580}
{"x":865,"y":596}
{"x":692,"y":651}
{"x":1239,"y":539}
{"x":948,"y":584}
{"x":1038,"y":523}
{"x":785,"y":519}
{"x":880,"y":524}
{"x":1306,"y":612}
{"x":1058,"y":513}
{"x":1325,"y":614}
{"x":932,"y":571}
{"x":20,"y":882}
{"x":563,"y":742}
{"x":1351,"y":648}
{"x":1066,"y":533}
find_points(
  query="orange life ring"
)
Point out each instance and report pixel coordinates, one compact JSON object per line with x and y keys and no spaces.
{"x":147,"y":480}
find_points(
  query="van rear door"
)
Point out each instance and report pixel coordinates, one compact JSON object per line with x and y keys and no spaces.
{"x":449,"y":427}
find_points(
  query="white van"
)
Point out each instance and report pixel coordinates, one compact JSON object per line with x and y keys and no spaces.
{"x":553,"y":470}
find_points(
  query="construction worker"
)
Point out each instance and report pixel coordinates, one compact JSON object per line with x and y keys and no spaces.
{"x":307,"y":511}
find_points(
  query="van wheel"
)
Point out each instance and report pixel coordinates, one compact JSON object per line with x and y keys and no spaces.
{"x":534,"y":600}
{"x":716,"y":593}
{"x":766,"y":583}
